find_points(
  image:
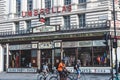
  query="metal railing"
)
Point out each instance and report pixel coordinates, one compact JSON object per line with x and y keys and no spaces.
{"x":92,"y":25}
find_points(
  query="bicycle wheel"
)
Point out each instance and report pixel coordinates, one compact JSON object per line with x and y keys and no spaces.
{"x":41,"y":77}
{"x":82,"y":77}
{"x":69,"y":78}
{"x":54,"y":78}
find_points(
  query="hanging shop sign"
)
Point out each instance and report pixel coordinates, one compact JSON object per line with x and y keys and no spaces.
{"x":45,"y":45}
{"x":58,"y":9}
{"x":20,"y":47}
{"x":45,"y":29}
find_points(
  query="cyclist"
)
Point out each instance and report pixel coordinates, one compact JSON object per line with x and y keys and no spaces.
{"x":45,"y":68}
{"x":61,"y":68}
{"x":77,"y":68}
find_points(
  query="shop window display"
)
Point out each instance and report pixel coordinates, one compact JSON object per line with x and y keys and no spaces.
{"x":85,"y":55}
{"x":20,"y":59}
{"x":89,"y":56}
{"x":104,"y":57}
{"x":95,"y":56}
{"x":69,"y":57}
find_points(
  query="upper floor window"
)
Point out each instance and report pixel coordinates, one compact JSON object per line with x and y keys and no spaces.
{"x":47,"y":22}
{"x":29,"y":5}
{"x":47,"y":3}
{"x":18,"y":7}
{"x":81,"y":20}
{"x":17,"y":27}
{"x":28,"y":23}
{"x":81,"y":1}
{"x":67,"y":21}
{"x":67,"y":2}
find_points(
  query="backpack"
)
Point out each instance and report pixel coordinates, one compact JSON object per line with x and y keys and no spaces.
{"x":76,"y":66}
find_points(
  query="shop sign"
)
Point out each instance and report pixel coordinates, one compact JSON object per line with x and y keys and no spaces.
{"x":34,"y":46}
{"x":69,"y":44}
{"x":44,"y":29}
{"x":20,"y":47}
{"x":57,"y":44}
{"x":14,"y":47}
{"x":84,"y":44}
{"x":22,"y":70}
{"x":45,"y":45}
{"x":99,"y":43}
{"x":91,"y":70}
{"x":58,"y":9}
{"x":25,"y":46}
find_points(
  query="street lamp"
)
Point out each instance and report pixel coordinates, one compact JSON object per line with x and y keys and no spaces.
{"x":115,"y":41}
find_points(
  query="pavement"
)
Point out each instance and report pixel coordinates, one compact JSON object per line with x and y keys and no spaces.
{"x":18,"y":76}
{"x":33,"y":76}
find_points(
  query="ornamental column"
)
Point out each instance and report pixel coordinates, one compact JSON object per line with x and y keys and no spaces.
{"x":1,"y":58}
{"x":7,"y":56}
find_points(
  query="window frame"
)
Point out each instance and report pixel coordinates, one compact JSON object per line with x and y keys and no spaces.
{"x":47,"y":3}
{"x":67,"y":21}
{"x":67,"y":2}
{"x":82,"y":20}
{"x":29,"y":5}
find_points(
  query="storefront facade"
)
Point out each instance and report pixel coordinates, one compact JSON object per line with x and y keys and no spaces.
{"x":74,"y":29}
{"x":24,"y":57}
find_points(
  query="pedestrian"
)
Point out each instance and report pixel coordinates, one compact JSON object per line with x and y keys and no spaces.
{"x":61,"y":68}
{"x":77,"y":68}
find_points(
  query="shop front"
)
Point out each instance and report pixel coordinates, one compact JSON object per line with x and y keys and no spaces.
{"x":22,"y":58}
{"x":30,"y":57}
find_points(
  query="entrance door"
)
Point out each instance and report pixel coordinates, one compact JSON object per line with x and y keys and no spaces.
{"x":46,"y":57}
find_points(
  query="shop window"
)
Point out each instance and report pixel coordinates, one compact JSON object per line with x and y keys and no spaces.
{"x":101,"y":58}
{"x":93,"y":56}
{"x":34,"y":58}
{"x":85,"y":55}
{"x":20,"y":59}
{"x":69,"y":57}
{"x":58,"y":52}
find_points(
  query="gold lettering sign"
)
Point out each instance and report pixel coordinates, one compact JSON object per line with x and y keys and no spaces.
{"x":28,"y":38}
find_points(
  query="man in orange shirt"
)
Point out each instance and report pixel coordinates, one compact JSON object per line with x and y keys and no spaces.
{"x":61,"y":68}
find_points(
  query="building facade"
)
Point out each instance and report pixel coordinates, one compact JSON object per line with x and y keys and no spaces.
{"x":73,"y":29}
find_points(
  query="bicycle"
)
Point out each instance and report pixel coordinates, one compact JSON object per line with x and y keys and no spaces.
{"x":43,"y":76}
{"x":47,"y":76}
{"x":73,"y":76}
{"x":56,"y":75}
{"x":114,"y":78}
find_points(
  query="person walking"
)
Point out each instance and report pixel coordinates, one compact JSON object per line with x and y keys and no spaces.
{"x":77,"y":68}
